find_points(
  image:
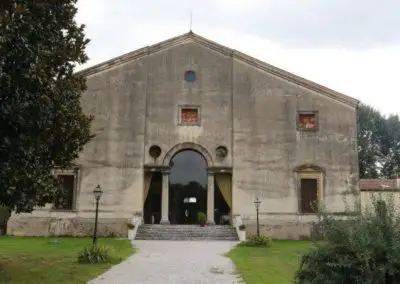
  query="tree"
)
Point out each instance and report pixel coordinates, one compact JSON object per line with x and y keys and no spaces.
{"x":41,"y":120}
{"x":379,"y":143}
{"x":370,"y":134}
{"x":391,"y":142}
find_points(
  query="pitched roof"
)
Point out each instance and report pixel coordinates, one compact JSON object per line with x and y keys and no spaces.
{"x":377,"y":184}
{"x":192,"y":37}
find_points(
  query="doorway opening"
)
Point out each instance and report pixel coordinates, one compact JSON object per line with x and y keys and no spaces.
{"x":187,"y":187}
{"x":152,"y":204}
{"x":222,"y":210}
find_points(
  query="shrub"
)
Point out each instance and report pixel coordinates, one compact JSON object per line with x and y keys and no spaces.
{"x":201,"y":217}
{"x":95,"y":254}
{"x":363,"y":249}
{"x":257,"y":241}
{"x":242,"y":227}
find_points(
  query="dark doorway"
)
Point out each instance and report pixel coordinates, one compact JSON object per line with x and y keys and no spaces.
{"x":187,"y":187}
{"x":152,"y":205}
{"x":222,"y":210}
{"x":308,"y":195}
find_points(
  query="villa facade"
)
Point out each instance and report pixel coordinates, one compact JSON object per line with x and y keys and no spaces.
{"x":188,"y":125}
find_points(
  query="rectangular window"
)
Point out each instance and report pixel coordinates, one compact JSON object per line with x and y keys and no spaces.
{"x":189,"y":115}
{"x":308,"y":195}
{"x":65,"y":197}
{"x":307,"y":121}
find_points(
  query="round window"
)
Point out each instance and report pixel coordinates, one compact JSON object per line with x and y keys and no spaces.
{"x":221,"y":152}
{"x":155,"y":151}
{"x":190,"y":76}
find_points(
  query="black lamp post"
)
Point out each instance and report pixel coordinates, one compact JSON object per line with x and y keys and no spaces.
{"x":257,"y":202}
{"x":97,"y":192}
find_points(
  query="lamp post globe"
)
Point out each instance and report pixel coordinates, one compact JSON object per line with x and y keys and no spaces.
{"x":97,"y":192}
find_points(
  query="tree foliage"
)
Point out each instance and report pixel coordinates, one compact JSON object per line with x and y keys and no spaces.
{"x":379,"y":144}
{"x":41,"y":121}
{"x":364,"y":249}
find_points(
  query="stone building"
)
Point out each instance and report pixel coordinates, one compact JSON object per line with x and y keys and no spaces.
{"x":188,"y":125}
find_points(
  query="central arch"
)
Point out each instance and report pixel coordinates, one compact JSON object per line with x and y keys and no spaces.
{"x":187,"y":185}
{"x":187,"y":146}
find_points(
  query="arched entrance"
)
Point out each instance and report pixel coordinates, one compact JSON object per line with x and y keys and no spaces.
{"x":187,"y":186}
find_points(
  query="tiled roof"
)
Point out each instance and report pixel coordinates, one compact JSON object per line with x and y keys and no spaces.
{"x":369,"y":184}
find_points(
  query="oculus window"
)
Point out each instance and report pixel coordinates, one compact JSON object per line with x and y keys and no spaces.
{"x":190,"y":76}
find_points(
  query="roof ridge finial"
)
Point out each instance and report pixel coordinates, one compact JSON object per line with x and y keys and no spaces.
{"x":191,"y":19}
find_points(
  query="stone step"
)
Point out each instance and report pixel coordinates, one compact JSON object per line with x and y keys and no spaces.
{"x":139,"y":238}
{"x":184,"y":227}
{"x":186,"y":232}
{"x":144,"y":235}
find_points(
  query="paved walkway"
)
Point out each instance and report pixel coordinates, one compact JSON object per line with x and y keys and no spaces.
{"x":174,"y":262}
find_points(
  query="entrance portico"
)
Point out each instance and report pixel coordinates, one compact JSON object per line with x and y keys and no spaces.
{"x":188,"y":185}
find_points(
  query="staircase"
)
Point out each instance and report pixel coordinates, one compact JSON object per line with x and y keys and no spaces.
{"x":186,"y":233}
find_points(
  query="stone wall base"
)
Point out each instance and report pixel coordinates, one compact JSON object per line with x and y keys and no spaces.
{"x":284,"y":230}
{"x":74,"y":227}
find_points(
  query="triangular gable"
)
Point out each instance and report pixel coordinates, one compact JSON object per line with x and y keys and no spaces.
{"x":192,"y":37}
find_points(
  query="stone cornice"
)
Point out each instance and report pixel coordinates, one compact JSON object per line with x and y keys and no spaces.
{"x":219,"y":170}
{"x":191,"y":37}
{"x":155,"y":168}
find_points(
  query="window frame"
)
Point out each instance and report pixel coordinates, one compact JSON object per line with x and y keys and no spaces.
{"x":67,"y":172}
{"x":183,"y":107}
{"x":307,"y":112}
{"x":310,"y":174}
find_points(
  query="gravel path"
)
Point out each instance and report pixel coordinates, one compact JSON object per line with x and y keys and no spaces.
{"x":174,"y":262}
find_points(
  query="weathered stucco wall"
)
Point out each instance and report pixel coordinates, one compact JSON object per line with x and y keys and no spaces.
{"x":247,"y":110}
{"x":167,"y":90}
{"x":114,"y":158}
{"x":268,"y":147}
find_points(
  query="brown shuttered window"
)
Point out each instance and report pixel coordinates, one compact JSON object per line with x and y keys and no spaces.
{"x":308,"y":195}
{"x":65,"y":197}
{"x":189,"y":115}
{"x":307,"y":121}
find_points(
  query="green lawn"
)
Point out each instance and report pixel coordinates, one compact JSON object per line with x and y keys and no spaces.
{"x":274,"y":265}
{"x":49,"y":260}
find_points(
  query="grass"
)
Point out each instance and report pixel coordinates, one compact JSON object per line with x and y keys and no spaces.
{"x":49,"y":260}
{"x":274,"y":265}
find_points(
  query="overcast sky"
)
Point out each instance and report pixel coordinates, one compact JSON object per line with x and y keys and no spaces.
{"x":351,"y":46}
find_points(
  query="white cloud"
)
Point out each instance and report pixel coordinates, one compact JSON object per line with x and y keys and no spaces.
{"x":367,"y":73}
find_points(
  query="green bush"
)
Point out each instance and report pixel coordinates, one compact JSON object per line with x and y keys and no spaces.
{"x":365,"y":248}
{"x":202,"y":218}
{"x":255,"y":241}
{"x":95,"y":254}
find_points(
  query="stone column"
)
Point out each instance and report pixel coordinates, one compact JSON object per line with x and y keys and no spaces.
{"x":210,"y":198}
{"x":165,"y":198}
